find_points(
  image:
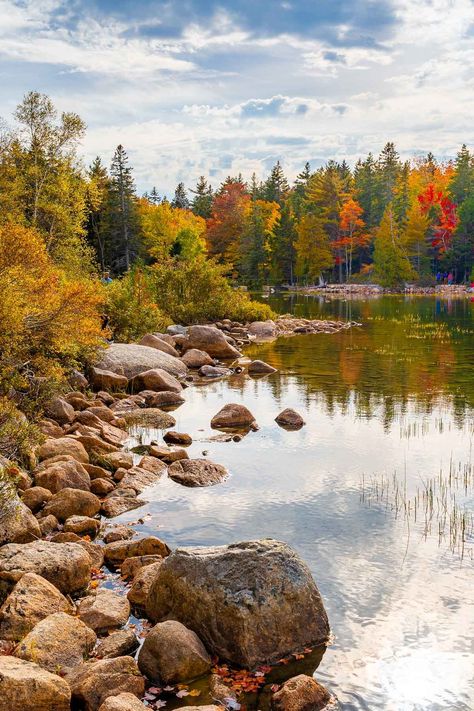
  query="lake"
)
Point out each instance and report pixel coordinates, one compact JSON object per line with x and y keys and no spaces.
{"x":376,"y":492}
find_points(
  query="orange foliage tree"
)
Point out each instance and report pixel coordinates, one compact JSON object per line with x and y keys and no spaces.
{"x":444,"y":217}
{"x":230,"y":209}
{"x":352,"y":236}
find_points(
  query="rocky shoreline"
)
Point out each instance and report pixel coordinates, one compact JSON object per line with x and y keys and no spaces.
{"x":444,"y":291}
{"x":226,"y":616}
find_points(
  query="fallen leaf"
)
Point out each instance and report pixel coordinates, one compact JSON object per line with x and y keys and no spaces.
{"x":182,"y":693}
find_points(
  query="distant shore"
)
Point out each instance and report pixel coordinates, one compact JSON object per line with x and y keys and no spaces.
{"x":373,"y":290}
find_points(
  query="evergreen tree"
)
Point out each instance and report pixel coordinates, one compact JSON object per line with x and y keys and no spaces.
{"x":391,"y":265}
{"x":152,"y":196}
{"x":256,"y":188}
{"x":180,"y":197}
{"x":283,"y":247}
{"x":461,"y":185}
{"x":461,"y":253}
{"x":299,"y":189}
{"x":201,"y":204}
{"x":365,"y":186}
{"x":401,"y":200}
{"x":255,"y":248}
{"x":122,"y":211}
{"x":276,"y":186}
{"x":97,"y":201}
{"x":388,"y":170}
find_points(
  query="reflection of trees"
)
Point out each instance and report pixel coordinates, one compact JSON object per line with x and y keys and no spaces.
{"x":407,"y":350}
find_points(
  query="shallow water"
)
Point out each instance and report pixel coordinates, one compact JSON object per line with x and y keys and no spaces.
{"x":375,"y":492}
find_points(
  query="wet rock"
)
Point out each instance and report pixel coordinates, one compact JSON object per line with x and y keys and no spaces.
{"x":156,"y":379}
{"x":36,"y":497}
{"x":58,"y":642}
{"x":130,"y":359}
{"x":59,"y":410}
{"x":150,"y":417}
{"x":62,"y":475}
{"x":48,"y":524}
{"x":172,"y":654}
{"x":115,"y":553}
{"x":104,"y":610}
{"x":141,"y":585}
{"x":82,"y":526}
{"x":182,"y":438}
{"x":152,"y":464}
{"x":214,"y":371}
{"x":122,"y":702}
{"x":233,"y":416}
{"x":211,"y":341}
{"x":117,"y":505}
{"x":301,"y":693}
{"x":263,"y":330}
{"x":93,"y":682}
{"x":167,"y":454}
{"x":72,"y":502}
{"x":17,"y":523}
{"x":32,"y":599}
{"x":221,"y":692}
{"x":259,"y":367}
{"x":117,"y":644}
{"x":290,"y":419}
{"x":156,"y":342}
{"x":107,"y":380}
{"x":65,"y":565}
{"x":28,"y":687}
{"x":119,"y":533}
{"x":63,"y":445}
{"x":250,"y":603}
{"x":139,"y":479}
{"x":131,"y":566}
{"x":166,"y":398}
{"x":197,"y":472}
{"x":194,"y":358}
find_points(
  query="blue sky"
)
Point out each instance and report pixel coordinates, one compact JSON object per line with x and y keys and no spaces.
{"x":205,"y":87}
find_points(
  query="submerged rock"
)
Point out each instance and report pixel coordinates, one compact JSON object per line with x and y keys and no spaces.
{"x":233,"y":416}
{"x":301,"y":693}
{"x":259,"y":367}
{"x":290,"y":419}
{"x":250,"y":603}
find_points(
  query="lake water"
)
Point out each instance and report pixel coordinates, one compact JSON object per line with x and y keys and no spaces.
{"x":376,"y":491}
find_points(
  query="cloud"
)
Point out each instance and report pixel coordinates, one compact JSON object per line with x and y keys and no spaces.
{"x":275,"y":106}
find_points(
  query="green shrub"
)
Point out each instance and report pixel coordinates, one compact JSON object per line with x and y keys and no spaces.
{"x":196,"y":291}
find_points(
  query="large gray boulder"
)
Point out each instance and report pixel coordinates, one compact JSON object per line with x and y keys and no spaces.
{"x":263,"y":330}
{"x":250,"y":603}
{"x":130,"y":359}
{"x":210,"y":340}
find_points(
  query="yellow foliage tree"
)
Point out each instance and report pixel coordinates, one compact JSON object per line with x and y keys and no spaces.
{"x":168,"y":229}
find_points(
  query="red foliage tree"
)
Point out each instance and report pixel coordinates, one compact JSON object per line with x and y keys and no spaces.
{"x":444,"y":214}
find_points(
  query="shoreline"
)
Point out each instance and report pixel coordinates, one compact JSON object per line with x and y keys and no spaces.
{"x":371,"y":290}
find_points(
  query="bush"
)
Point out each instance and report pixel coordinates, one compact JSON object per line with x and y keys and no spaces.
{"x":131,"y":308}
{"x":197,"y":291}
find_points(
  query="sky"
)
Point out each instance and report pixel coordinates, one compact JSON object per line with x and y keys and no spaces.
{"x":199,"y":87}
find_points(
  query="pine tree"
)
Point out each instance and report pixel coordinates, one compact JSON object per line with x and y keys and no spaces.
{"x":299,"y":189}
{"x":365,"y":187}
{"x":388,"y":170}
{"x":461,"y":253}
{"x":201,"y":204}
{"x":283,"y":247}
{"x":180,"y":197}
{"x":391,"y":266}
{"x":401,"y":199}
{"x":256,"y":188}
{"x":97,"y":201}
{"x":276,"y":186}
{"x":153,"y":196}
{"x":123,"y":217}
{"x":255,"y":248}
{"x":462,"y":182}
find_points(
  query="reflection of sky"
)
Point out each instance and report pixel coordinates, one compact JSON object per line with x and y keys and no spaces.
{"x":400,"y":606}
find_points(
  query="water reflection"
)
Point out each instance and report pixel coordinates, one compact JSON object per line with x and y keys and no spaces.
{"x":394,"y":397}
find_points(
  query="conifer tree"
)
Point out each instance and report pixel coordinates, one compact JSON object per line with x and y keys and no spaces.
{"x":180,"y":197}
{"x":123,"y":215}
{"x":298,"y":193}
{"x":391,"y":265}
{"x":283,"y":247}
{"x":276,"y":186}
{"x":365,"y":186}
{"x":97,"y":201}
{"x":462,"y":182}
{"x":388,"y":170}
{"x":201,"y":204}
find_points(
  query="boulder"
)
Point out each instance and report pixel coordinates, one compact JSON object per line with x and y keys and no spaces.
{"x":150,"y":417}
{"x":63,"y":445}
{"x":28,"y":687}
{"x":17,"y":523}
{"x":32,"y":599}
{"x":107,"y":380}
{"x":155,"y":342}
{"x":77,"y":380}
{"x":82,"y":526}
{"x":156,"y":379}
{"x":214,"y":371}
{"x":197,"y":472}
{"x":119,"y":533}
{"x":301,"y":693}
{"x":35,"y":497}
{"x":141,"y":585}
{"x":117,"y":644}
{"x":93,"y":682}
{"x":67,"y":566}
{"x":210,"y":340}
{"x":172,"y":654}
{"x":182,"y":438}
{"x":131,"y":566}
{"x":130,"y":359}
{"x":94,"y":550}
{"x":59,"y":410}
{"x":102,"y":412}
{"x":263,"y":330}
{"x":115,"y":553}
{"x":250,"y":603}
{"x":117,"y":505}
{"x":59,"y":642}
{"x":176,"y":329}
{"x":62,"y":475}
{"x":152,"y":464}
{"x":165,"y":398}
{"x":104,"y":610}
{"x":290,"y":419}
{"x":233,"y":416}
{"x":72,"y":502}
{"x":48,"y":524}
{"x":194,"y":358}
{"x":118,"y":460}
{"x":101,"y":487}
{"x":122,"y":702}
{"x":167,"y":454}
{"x":208,"y":707}
{"x":93,"y":444}
{"x":50,"y":428}
{"x":139,"y":479}
{"x":259,"y":367}
{"x":96,"y":472}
